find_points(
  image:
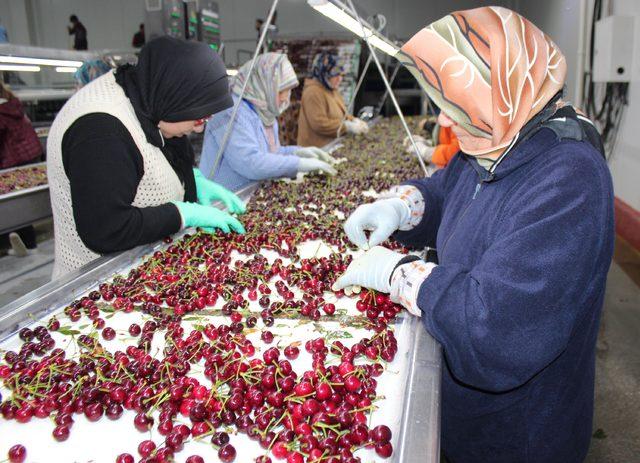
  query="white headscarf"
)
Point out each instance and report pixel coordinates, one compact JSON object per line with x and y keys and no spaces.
{"x":271,"y":74}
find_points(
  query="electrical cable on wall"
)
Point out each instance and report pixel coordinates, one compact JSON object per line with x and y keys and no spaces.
{"x":604,"y":102}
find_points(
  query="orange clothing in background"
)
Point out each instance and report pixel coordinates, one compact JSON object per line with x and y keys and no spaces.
{"x":447,"y":147}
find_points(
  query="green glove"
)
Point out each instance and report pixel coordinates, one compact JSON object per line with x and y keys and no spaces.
{"x":207,"y":217}
{"x":208,"y":191}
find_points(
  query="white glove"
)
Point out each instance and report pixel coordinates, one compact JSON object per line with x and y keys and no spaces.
{"x":312,"y":152}
{"x":382,"y":218}
{"x":424,"y":147}
{"x":372,"y":270}
{"x":352,"y":127}
{"x":406,"y":143}
{"x":364,"y":127}
{"x":311,"y":164}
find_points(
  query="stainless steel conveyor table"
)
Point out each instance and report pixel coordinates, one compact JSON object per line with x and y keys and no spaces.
{"x":24,"y":207}
{"x":418,"y":439}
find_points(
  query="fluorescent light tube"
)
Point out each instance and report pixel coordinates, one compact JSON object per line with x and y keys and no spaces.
{"x":40,"y":61}
{"x":232,"y":72}
{"x":333,"y":12}
{"x":17,"y":67}
{"x":66,"y":69}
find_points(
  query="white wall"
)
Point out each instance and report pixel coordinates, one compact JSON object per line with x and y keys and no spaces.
{"x":109,"y":23}
{"x":625,"y":161}
{"x":14,"y":18}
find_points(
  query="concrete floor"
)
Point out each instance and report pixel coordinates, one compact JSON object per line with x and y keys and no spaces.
{"x":617,"y":415}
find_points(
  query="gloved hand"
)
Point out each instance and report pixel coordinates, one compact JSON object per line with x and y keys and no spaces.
{"x":372,"y":270}
{"x":382,"y":218}
{"x":354,"y":126}
{"x":313,"y":152}
{"x":207,"y":217}
{"x":208,"y":191}
{"x":364,"y":127}
{"x":424,"y":147}
{"x":309,"y":165}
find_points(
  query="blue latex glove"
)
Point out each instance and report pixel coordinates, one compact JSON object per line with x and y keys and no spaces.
{"x":208,"y":191}
{"x":207,"y":217}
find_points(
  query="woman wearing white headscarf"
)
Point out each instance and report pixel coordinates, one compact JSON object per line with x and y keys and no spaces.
{"x":254,"y":151}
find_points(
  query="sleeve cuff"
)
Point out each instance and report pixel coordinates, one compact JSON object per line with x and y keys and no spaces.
{"x":413,"y":199}
{"x":406,"y":281}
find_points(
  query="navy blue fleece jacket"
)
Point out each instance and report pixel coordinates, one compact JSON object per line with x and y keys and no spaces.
{"x":516,"y":298}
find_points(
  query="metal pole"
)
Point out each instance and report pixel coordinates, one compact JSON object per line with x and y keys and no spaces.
{"x":386,"y":83}
{"x":386,"y":92}
{"x":355,"y":91}
{"x":227,"y":133}
{"x":381,"y":26}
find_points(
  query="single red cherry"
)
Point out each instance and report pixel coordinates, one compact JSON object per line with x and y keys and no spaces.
{"x":17,"y":454}
{"x":108,"y":333}
{"x":146,"y":447}
{"x":61,"y":432}
{"x":384,"y":449}
{"x":125,"y":458}
{"x":227,"y":453}
{"x":381,"y":433}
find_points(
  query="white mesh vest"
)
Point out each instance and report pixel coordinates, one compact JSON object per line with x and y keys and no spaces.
{"x":159,"y":183}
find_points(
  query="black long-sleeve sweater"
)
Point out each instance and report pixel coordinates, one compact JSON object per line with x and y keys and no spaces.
{"x":104,"y":167}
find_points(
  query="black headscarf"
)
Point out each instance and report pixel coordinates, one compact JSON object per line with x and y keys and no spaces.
{"x":175,"y":81}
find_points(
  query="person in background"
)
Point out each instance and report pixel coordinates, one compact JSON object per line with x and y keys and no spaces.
{"x":90,"y":70}
{"x":19,"y":145}
{"x":138,"y":40}
{"x":522,"y":221}
{"x":322,"y":110}
{"x":79,"y":33}
{"x":254,"y":151}
{"x":447,"y":145}
{"x":119,"y":162}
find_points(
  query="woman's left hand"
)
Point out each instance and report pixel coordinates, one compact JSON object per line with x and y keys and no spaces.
{"x":373,"y":269}
{"x":208,"y":191}
{"x":315,"y":153}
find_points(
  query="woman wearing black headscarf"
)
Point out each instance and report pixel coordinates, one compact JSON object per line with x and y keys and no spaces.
{"x":119,"y":161}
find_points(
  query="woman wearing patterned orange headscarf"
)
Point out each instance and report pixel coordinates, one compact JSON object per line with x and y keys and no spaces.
{"x":522,"y":220}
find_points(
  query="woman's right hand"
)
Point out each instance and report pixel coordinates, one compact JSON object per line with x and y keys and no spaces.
{"x":382,"y":218}
{"x":356,"y":126}
{"x":207,"y":217}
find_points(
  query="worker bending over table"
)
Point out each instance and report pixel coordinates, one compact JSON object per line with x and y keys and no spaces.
{"x":323,"y":114}
{"x":522,"y":219}
{"x":253,"y":151}
{"x":119,"y":163}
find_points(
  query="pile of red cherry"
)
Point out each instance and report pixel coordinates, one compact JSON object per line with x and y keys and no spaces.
{"x":320,"y":415}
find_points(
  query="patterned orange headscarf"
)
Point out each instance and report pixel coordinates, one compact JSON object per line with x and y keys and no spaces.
{"x":489,"y":69}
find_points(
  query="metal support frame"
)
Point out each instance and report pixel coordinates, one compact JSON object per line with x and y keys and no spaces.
{"x":227,"y":133}
{"x":386,"y":92}
{"x":388,"y":86}
{"x":355,"y":91}
{"x":380,"y":28}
